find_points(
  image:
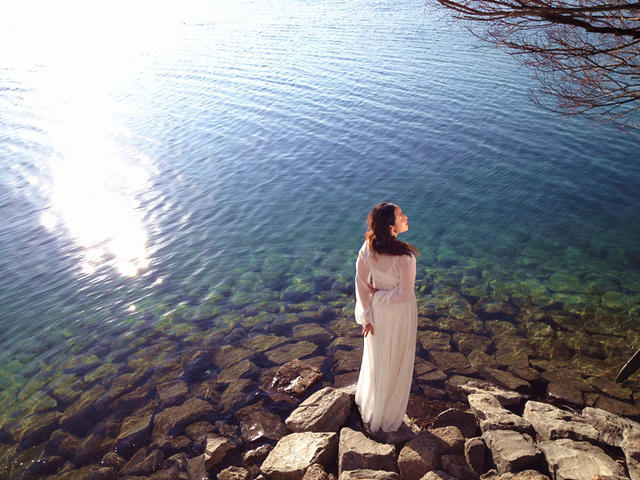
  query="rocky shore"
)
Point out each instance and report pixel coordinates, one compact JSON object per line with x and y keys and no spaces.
{"x":496,"y":392}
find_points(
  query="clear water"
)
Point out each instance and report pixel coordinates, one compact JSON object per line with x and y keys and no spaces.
{"x":234,"y":148}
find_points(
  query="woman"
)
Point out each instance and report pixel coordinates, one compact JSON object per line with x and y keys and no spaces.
{"x":386,"y":309}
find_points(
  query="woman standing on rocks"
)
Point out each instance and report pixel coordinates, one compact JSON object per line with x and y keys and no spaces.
{"x":386,"y":308}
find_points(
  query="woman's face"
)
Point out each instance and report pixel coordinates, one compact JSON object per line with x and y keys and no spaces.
{"x":402,"y":223}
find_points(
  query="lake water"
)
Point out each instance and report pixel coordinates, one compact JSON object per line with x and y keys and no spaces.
{"x":218,"y":161}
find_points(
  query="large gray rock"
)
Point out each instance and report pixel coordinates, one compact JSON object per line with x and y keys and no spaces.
{"x":512,"y":451}
{"x":610,"y":427}
{"x":419,"y":456}
{"x":492,"y":416}
{"x":296,"y":452}
{"x":572,"y":460}
{"x":365,"y":474}
{"x":551,"y":422}
{"x":507,"y":398}
{"x":324,"y":411}
{"x":357,"y":452}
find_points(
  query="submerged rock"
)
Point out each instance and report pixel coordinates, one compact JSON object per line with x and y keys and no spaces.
{"x":291,"y":351}
{"x":172,"y":420}
{"x":258,"y":424}
{"x":298,"y":451}
{"x":238,"y":394}
{"x":172,"y":393}
{"x":312,"y":333}
{"x":324,"y":411}
{"x":144,"y":461}
{"x":216,"y":450}
{"x":294,"y":378}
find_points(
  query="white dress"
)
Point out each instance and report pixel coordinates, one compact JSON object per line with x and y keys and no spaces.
{"x":385,"y":376}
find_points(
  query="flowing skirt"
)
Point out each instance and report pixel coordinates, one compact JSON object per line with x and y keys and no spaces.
{"x":386,"y":372}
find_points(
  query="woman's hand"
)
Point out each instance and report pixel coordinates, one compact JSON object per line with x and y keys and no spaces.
{"x":372,"y":289}
{"x":367,"y":328}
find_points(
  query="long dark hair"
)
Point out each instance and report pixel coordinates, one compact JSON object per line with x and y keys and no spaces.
{"x":378,"y":235}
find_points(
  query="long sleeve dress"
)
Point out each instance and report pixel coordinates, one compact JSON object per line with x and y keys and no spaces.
{"x":385,"y":376}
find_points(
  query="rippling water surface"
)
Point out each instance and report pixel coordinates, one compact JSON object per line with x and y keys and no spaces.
{"x":233,"y":149}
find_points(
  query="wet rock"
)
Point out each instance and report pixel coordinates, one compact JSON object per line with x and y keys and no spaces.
{"x":475,"y":452}
{"x":258,"y":424}
{"x":356,"y":452}
{"x":468,"y":342}
{"x":63,"y":444}
{"x":262,"y":343}
{"x":113,"y":460}
{"x":198,"y":432}
{"x":242,"y":369}
{"x":565,"y":393}
{"x":295,"y":377}
{"x":172,"y":473}
{"x":345,"y":343}
{"x":228,"y":355}
{"x":312,"y":333}
{"x":324,"y":411}
{"x":36,"y":429}
{"x":238,"y":394}
{"x":453,"y":362}
{"x":611,"y":405}
{"x":346,"y":379}
{"x":610,"y":427}
{"x":513,"y":352}
{"x":347,"y":361}
{"x":41,"y":468}
{"x":233,"y":473}
{"x":433,"y":377}
{"x":465,"y":421}
{"x":505,"y":397}
{"x":507,"y":380}
{"x":172,"y":393}
{"x":551,"y":422}
{"x":571,"y":460}
{"x":92,"y":472}
{"x":172,"y":420}
{"x":296,"y":452}
{"x":134,"y":433}
{"x":316,"y":472}
{"x":364,"y":474}
{"x":144,"y":461}
{"x":92,"y":448}
{"x":216,"y":450}
{"x":85,"y":412}
{"x":457,"y":467}
{"x":292,"y":351}
{"x":196,"y":469}
{"x":419,"y":456}
{"x":257,"y":455}
{"x":512,"y":451}
{"x":134,"y":399}
{"x":492,"y":416}
{"x":434,"y":341}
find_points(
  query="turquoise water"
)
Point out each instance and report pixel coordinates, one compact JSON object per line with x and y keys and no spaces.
{"x":228,"y":155}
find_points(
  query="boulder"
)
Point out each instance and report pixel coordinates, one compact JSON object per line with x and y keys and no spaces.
{"x":258,"y":424}
{"x":465,"y":421}
{"x":364,"y":474}
{"x":84,"y":413}
{"x":453,"y":362}
{"x":216,"y":450}
{"x":507,"y":380}
{"x":565,"y":393}
{"x":142,"y":462}
{"x":238,"y":394}
{"x":551,"y":422}
{"x":456,"y":466}
{"x":610,"y":427}
{"x":196,"y":468}
{"x":523,"y":475}
{"x":612,"y":405}
{"x":492,"y":416}
{"x":233,"y":473}
{"x":257,"y":455}
{"x":294,"y":377}
{"x":172,"y":393}
{"x":437,"y":475}
{"x":172,"y":420}
{"x":243,"y":369}
{"x":631,"y":449}
{"x":512,"y":451}
{"x":291,"y":351}
{"x":312,"y":333}
{"x":324,"y":411}
{"x":475,"y":452}
{"x":451,"y":439}
{"x":572,"y":460}
{"x":134,"y":433}
{"x":507,"y":398}
{"x":37,"y":429}
{"x":419,"y":456}
{"x":347,"y":360}
{"x":294,"y":453}
{"x":357,"y":452}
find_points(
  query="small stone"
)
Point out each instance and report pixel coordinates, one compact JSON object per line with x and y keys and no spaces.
{"x":356,"y":452}
{"x":324,"y":411}
{"x":512,"y":451}
{"x":465,"y":421}
{"x":216,"y":450}
{"x":233,"y":473}
{"x":475,"y":451}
